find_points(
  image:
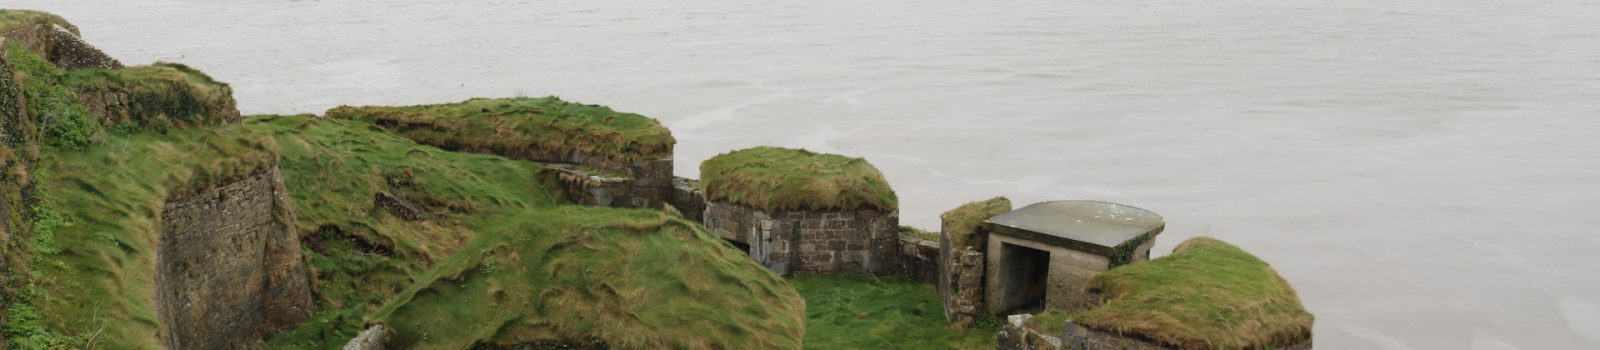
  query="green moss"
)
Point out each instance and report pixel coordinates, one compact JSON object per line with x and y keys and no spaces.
{"x":773,"y":179}
{"x":11,"y":19}
{"x":862,"y":312}
{"x":160,"y":95}
{"x":962,"y":221}
{"x":523,"y":128}
{"x":61,"y":118}
{"x":1207,"y":295}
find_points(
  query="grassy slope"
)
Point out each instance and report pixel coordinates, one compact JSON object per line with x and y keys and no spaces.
{"x":503,"y":242}
{"x":962,"y":221}
{"x":860,"y":312}
{"x":61,"y":119}
{"x":772,"y":178}
{"x":1207,"y":295}
{"x":514,"y":126}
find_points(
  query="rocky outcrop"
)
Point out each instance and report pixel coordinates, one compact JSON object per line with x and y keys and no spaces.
{"x":370,"y":339}
{"x":229,"y":270}
{"x":158,"y":95}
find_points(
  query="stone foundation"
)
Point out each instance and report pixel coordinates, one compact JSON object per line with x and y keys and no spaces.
{"x":1016,"y":335}
{"x":585,"y":186}
{"x":810,"y":242}
{"x":228,"y":264}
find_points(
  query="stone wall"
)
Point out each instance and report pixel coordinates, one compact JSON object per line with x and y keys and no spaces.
{"x":584,"y":186}
{"x":61,"y":46}
{"x":228,"y":264}
{"x":810,"y":242}
{"x":1068,"y":271}
{"x":688,"y":199}
{"x":961,"y":285}
{"x":71,"y":52}
{"x":918,"y":259}
{"x":1016,"y":335}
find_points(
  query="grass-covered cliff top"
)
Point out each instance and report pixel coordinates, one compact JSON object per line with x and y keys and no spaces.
{"x":1207,"y":295}
{"x":11,"y":19}
{"x":160,"y":94}
{"x":61,"y":119}
{"x":773,"y":179}
{"x":499,"y":254}
{"x":523,"y":128}
{"x":962,"y":221}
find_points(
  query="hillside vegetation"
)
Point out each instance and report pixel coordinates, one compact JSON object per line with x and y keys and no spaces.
{"x":522,"y":128}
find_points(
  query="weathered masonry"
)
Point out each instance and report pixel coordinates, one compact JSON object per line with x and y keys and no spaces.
{"x":228,"y":264}
{"x":1042,"y":255}
{"x":801,"y":242}
{"x":798,"y":212}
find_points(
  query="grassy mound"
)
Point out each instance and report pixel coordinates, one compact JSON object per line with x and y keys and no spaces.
{"x":860,"y":312}
{"x":773,"y":179}
{"x":962,"y":221}
{"x":160,"y":95}
{"x":1207,"y":295}
{"x":632,"y":279}
{"x":523,"y":128}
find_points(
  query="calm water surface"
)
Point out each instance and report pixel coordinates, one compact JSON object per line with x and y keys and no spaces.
{"x":1426,"y":172}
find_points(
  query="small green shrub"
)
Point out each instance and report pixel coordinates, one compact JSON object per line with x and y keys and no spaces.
{"x":62,"y":119}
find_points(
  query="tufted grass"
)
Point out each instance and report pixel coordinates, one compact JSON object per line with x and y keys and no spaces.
{"x":961,"y":222}
{"x":522,"y":128}
{"x":862,"y":312}
{"x":1207,"y":295}
{"x":773,"y":179}
{"x":61,"y":119}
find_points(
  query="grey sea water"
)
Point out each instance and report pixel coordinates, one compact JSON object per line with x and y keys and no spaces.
{"x":1425,"y":172}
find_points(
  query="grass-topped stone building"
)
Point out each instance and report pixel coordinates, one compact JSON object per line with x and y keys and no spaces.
{"x":798,"y":212}
{"x":600,"y":157}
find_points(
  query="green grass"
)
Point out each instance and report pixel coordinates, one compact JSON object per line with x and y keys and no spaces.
{"x":1207,"y":295}
{"x":773,"y":179}
{"x":61,"y":119}
{"x":962,"y":221}
{"x":862,"y":312}
{"x":624,"y":277}
{"x":160,"y":95}
{"x":522,"y":127}
{"x":11,"y":19}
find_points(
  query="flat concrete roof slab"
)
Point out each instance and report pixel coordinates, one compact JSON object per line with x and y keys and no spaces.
{"x":1092,"y":226}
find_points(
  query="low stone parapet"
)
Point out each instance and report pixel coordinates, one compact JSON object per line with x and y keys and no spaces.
{"x":810,"y":242}
{"x":918,"y":259}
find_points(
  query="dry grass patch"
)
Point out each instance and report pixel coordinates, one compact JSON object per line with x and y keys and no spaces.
{"x":773,"y":179}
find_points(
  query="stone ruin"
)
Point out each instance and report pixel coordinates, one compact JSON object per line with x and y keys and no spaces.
{"x":228,"y":265}
{"x":598,"y":181}
{"x":1042,"y":255}
{"x":807,"y":242}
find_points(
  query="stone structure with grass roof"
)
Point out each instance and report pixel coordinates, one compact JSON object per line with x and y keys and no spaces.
{"x":798,"y":212}
{"x":1043,"y":255}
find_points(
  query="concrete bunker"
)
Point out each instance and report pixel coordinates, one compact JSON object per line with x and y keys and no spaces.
{"x":228,"y":266}
{"x":1064,"y":243}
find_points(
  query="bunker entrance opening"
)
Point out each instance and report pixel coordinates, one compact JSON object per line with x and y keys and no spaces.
{"x":1024,"y":277}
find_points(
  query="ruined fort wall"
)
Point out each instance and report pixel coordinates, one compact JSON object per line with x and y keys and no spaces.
{"x":811,"y":242}
{"x":228,"y":264}
{"x":918,"y":259}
